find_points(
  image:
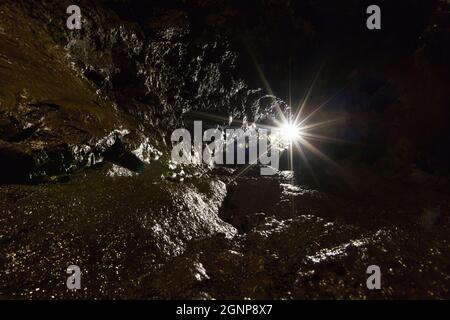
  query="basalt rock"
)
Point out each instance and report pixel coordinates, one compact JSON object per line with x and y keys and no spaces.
{"x":69,"y":96}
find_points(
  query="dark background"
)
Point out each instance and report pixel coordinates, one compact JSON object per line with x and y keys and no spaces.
{"x":391,"y":85}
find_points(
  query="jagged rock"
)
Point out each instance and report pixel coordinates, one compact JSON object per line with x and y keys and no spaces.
{"x":111,"y":75}
{"x":105,"y":99}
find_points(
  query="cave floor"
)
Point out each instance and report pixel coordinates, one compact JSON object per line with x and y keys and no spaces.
{"x":269,"y":238}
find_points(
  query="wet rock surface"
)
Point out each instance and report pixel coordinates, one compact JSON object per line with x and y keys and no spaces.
{"x":117,"y":229}
{"x":69,"y":96}
{"x":53,"y":120}
{"x":308,"y":244}
{"x":86,"y":176}
{"x":143,"y":237}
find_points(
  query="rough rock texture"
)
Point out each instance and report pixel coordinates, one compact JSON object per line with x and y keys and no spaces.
{"x":308,"y":244}
{"x":85,"y":175}
{"x":117,"y":229}
{"x":102,"y":99}
{"x":52,"y":119}
{"x":67,"y":96}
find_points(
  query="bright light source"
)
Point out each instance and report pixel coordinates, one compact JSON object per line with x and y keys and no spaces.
{"x":290,"y":132}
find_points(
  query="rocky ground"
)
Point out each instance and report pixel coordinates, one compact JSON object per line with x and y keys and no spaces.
{"x":148,"y":237}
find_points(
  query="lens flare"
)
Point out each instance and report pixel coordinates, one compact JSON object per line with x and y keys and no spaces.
{"x":290,"y":132}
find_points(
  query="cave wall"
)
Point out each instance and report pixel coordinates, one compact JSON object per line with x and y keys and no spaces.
{"x":136,"y":68}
